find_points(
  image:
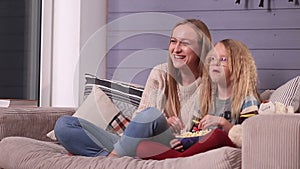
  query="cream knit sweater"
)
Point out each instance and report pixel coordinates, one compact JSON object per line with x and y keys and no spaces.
{"x":153,"y":95}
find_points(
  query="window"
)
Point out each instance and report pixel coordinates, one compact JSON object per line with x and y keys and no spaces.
{"x":20,"y":48}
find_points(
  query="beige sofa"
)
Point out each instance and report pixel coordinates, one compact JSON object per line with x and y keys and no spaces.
{"x":269,"y":141}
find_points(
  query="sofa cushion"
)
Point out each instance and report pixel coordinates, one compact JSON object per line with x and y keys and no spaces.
{"x":125,"y":96}
{"x":98,"y":109}
{"x":21,"y":152}
{"x":266,"y":94}
{"x":108,"y":104}
{"x":33,"y":122}
{"x":288,"y":94}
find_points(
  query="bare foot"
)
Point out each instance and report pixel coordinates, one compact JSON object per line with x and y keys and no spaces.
{"x":113,"y":154}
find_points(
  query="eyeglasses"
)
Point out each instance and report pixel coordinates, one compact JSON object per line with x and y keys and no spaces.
{"x":223,"y":61}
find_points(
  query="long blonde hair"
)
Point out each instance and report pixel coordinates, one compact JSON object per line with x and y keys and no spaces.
{"x":243,"y":77}
{"x":204,"y":41}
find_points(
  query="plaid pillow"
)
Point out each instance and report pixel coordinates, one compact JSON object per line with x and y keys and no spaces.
{"x":125,"y":96}
{"x":118,"y":124}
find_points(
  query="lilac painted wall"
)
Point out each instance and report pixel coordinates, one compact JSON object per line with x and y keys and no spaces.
{"x":138,"y":40}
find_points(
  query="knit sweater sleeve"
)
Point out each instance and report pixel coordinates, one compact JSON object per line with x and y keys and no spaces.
{"x":154,"y":92}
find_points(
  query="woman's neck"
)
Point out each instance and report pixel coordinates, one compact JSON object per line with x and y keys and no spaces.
{"x":188,"y":77}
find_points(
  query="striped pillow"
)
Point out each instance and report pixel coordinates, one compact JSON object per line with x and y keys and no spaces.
{"x":288,"y":94}
{"x":125,"y":96}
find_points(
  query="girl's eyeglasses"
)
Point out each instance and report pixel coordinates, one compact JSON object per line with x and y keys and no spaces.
{"x":215,"y":60}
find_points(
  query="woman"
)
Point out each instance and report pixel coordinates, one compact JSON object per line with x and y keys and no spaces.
{"x":170,"y":98}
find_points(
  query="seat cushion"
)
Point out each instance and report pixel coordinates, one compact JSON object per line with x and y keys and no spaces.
{"x":21,"y":152}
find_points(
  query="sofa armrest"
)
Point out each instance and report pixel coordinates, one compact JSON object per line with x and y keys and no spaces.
{"x":271,"y":141}
{"x":32,"y":122}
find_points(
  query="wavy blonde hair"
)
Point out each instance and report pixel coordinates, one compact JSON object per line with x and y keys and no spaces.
{"x":172,"y":107}
{"x":243,"y":76}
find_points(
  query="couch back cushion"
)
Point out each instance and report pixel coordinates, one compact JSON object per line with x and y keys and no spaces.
{"x":288,"y":94}
{"x":125,"y":96}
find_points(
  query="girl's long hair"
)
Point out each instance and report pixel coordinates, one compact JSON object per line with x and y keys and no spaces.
{"x":172,"y":107}
{"x":243,"y":77}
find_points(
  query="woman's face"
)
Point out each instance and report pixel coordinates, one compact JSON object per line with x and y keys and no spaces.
{"x":184,"y":48}
{"x":218,"y":65}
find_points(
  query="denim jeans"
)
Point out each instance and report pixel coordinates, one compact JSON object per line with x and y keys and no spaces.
{"x":149,"y":124}
{"x":81,"y":137}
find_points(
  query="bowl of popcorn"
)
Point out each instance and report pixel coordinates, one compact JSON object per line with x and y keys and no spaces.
{"x":187,"y":139}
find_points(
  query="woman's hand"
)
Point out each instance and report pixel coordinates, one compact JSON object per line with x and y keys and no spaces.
{"x":176,"y":144}
{"x":175,"y":124}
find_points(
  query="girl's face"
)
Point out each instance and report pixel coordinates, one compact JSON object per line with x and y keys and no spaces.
{"x":218,"y":65}
{"x":184,"y":48}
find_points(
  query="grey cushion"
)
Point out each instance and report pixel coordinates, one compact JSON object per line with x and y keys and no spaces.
{"x":33,"y":122}
{"x":20,"y":152}
{"x":288,"y":94}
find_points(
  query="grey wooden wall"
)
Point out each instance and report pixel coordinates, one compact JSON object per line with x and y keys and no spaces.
{"x":138,"y":33}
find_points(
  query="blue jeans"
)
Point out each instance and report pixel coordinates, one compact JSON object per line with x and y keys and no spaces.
{"x":149,"y":124}
{"x":81,"y":137}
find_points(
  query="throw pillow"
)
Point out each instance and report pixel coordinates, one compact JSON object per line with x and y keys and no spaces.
{"x":288,"y":94}
{"x":265,"y":95}
{"x":125,"y":96}
{"x":98,"y":109}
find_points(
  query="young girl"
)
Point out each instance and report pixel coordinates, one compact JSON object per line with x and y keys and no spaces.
{"x":229,"y":86}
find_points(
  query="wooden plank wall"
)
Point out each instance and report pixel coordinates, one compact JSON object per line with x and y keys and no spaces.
{"x":138,"y":33}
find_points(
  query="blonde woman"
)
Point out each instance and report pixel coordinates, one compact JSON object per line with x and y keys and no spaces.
{"x":229,"y":86}
{"x":169,"y":102}
{"x":171,"y":97}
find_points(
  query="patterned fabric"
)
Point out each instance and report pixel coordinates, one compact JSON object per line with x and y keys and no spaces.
{"x":118,"y":124}
{"x":125,"y":96}
{"x":250,"y":104}
{"x":288,"y":94}
{"x":249,"y":109}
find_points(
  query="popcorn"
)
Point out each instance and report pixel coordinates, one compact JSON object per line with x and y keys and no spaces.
{"x":194,"y":134}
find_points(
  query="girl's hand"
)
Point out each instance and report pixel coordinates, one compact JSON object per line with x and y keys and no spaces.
{"x":176,"y":124}
{"x":215,"y":121}
{"x":176,"y":144}
{"x":209,"y":121}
